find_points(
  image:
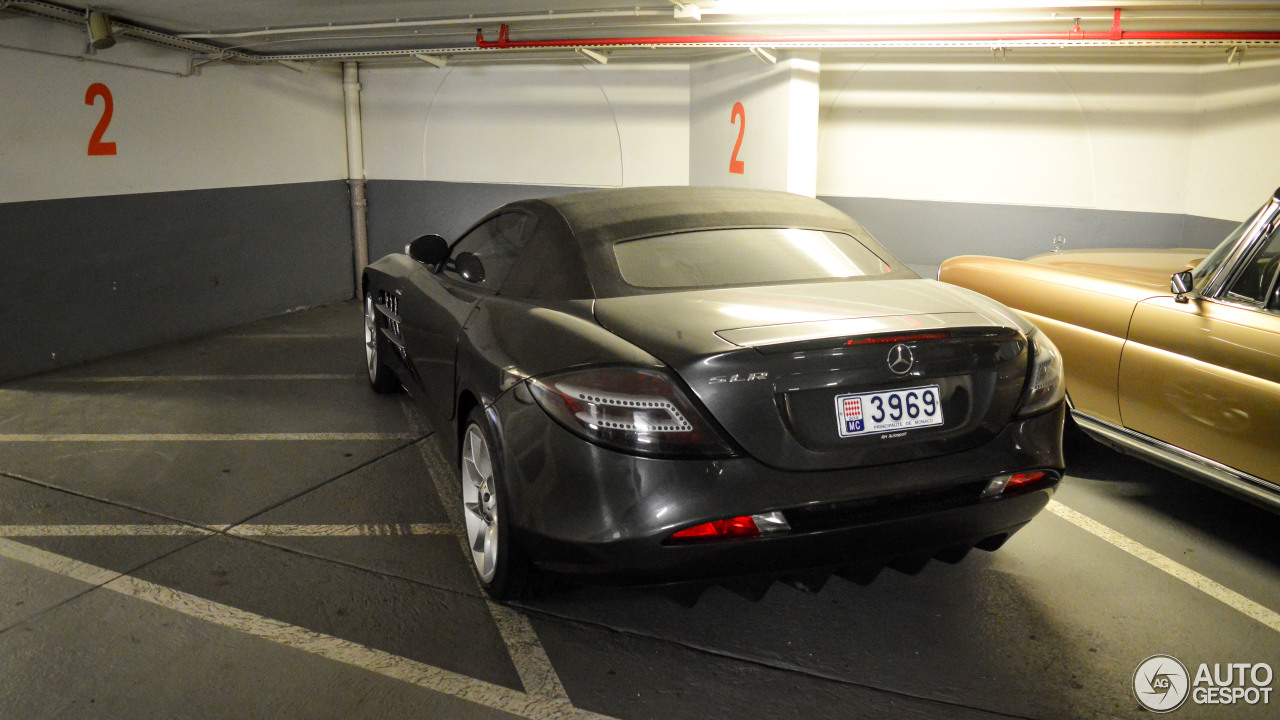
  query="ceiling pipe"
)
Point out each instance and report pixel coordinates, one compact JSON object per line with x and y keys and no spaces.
{"x":470,"y":21}
{"x":467,"y":53}
{"x":820,"y":41}
{"x":208,"y":53}
{"x":1074,"y":36}
{"x":59,"y":13}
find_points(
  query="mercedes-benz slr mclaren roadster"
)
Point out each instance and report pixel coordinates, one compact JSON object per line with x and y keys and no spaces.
{"x":660,"y":385}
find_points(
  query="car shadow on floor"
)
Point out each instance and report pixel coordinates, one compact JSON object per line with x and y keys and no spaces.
{"x":1126,"y":479}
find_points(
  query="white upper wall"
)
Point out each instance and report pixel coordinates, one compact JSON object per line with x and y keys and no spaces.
{"x":230,"y":126}
{"x":1235,"y":154}
{"x":1090,"y":135}
{"x":1174,"y":138}
{"x":580,"y":124}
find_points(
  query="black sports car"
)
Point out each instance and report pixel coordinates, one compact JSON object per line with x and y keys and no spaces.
{"x":657,"y":385}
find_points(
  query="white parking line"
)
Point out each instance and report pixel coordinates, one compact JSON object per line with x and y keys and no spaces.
{"x":63,"y":566}
{"x":533,"y":666}
{"x":367,"y":530}
{"x":327,"y":646}
{"x":290,"y":336}
{"x":99,"y":530}
{"x":197,"y":378}
{"x":249,"y":530}
{"x":1215,"y":590}
{"x":197,"y":437}
{"x":537,"y":674}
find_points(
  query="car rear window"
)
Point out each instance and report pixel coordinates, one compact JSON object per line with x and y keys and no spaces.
{"x":737,"y":256}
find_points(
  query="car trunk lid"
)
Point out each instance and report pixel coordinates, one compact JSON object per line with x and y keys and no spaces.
{"x":770,"y":363}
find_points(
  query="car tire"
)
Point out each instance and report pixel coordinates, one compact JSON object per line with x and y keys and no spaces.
{"x":381,"y":378}
{"x":502,"y":569}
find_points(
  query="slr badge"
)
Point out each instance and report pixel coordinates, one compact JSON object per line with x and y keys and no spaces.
{"x":738,"y":377}
{"x":901,"y":359}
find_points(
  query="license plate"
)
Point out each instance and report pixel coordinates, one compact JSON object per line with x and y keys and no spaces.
{"x":877,"y":412}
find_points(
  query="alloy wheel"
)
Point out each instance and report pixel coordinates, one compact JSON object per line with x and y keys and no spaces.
{"x":370,"y":337}
{"x":480,"y":503}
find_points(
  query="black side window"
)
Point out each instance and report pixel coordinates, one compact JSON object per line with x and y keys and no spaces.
{"x":551,"y":266}
{"x":1258,"y":279}
{"x":497,"y":243}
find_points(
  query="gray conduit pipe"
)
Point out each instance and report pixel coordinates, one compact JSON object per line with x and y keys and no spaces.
{"x":355,"y":169}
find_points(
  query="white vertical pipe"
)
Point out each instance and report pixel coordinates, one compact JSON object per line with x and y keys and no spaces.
{"x":355,"y":168}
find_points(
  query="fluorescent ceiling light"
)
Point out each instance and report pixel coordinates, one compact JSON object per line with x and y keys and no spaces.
{"x":836,"y":7}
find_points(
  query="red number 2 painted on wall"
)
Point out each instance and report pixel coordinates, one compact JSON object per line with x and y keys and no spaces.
{"x":736,"y":166}
{"x":96,"y":146}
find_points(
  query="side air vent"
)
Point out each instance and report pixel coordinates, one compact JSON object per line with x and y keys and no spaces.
{"x":389,"y":306}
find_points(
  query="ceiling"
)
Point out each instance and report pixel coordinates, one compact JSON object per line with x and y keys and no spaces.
{"x":399,"y":30}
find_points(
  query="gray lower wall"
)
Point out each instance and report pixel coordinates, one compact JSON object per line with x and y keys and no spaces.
{"x":89,"y":277}
{"x":920,"y":232}
{"x":925,"y":233}
{"x":401,"y":210}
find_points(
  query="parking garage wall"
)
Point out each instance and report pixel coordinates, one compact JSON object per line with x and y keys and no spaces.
{"x":943,"y":155}
{"x":217,"y":199}
{"x":939,"y":155}
{"x":1235,"y":151}
{"x":443,"y":147}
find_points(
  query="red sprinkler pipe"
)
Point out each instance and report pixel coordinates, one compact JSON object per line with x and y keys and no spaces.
{"x":505,"y":42}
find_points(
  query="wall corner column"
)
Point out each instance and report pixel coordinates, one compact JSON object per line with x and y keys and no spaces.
{"x":753,"y":121}
{"x":802,"y":125}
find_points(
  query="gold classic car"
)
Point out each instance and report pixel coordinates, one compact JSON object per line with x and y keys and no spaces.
{"x":1171,"y":355}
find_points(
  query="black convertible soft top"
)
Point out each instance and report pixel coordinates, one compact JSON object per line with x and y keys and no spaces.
{"x":609,"y":216}
{"x":570,"y":254}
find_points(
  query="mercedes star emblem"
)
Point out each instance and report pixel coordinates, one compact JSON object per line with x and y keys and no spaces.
{"x":900,"y":359}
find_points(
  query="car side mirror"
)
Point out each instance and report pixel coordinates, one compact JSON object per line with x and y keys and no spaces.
{"x":1180,"y":285}
{"x":469,"y":267}
{"x":428,"y":249}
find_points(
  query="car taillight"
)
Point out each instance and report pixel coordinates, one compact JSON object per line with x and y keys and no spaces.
{"x":635,"y":410}
{"x":745,"y":526}
{"x":733,"y":527}
{"x":1006,"y":485}
{"x":1045,"y":387}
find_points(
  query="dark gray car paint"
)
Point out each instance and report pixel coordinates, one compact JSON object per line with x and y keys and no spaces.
{"x":581,"y":508}
{"x":496,"y":341}
{"x":784,"y":416}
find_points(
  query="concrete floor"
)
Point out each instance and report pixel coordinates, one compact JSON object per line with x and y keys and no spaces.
{"x":235,"y":526}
